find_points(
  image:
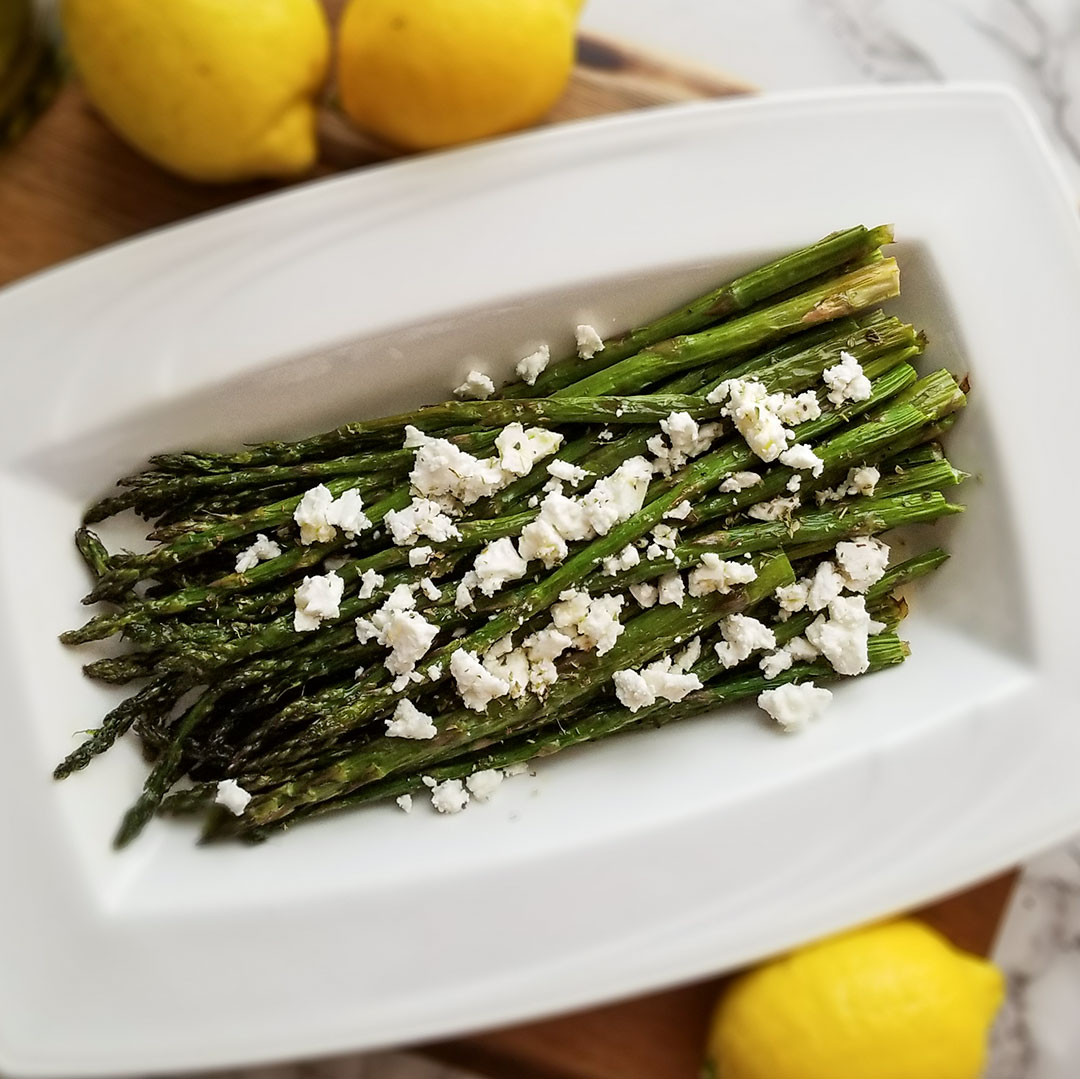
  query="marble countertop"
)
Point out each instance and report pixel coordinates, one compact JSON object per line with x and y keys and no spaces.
{"x":790,"y":45}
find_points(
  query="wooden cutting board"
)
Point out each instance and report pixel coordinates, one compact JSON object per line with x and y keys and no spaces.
{"x":71,"y":185}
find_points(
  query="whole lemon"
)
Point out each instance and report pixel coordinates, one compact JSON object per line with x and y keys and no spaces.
{"x":212,"y":89}
{"x":892,"y":1001}
{"x":427,"y":73}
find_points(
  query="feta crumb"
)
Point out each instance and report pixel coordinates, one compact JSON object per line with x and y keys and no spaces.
{"x":397,"y":626}
{"x":796,"y":410}
{"x":476,"y":685}
{"x":665,"y":536}
{"x":777,"y":509}
{"x":589,"y":342}
{"x":792,"y":597}
{"x":756,"y":415}
{"x":645,"y":593}
{"x":449,"y":796}
{"x":712,"y":574}
{"x":862,"y":481}
{"x":415,"y":438}
{"x":346,"y":512}
{"x":232,"y":796}
{"x":688,"y":656}
{"x":482,"y":785}
{"x":443,"y":470}
{"x":430,"y":589}
{"x":531,"y":366}
{"x":742,"y":635}
{"x":739,"y":481}
{"x":410,"y":722}
{"x":825,"y":586}
{"x":862,"y":561}
{"x":803,"y":456}
{"x":520,"y":449}
{"x":518,"y":768}
{"x":846,"y":380}
{"x":369,"y":582}
{"x":592,"y":621}
{"x":310,"y":515}
{"x":540,"y":539}
{"x":802,"y":651}
{"x":795,"y":706}
{"x":317,"y":598}
{"x":671,"y":589}
{"x":262,"y":550}
{"x":680,"y":511}
{"x":794,"y":483}
{"x":842,"y":638}
{"x":534,"y":501}
{"x":776,"y":663}
{"x":422,"y":517}
{"x":420,"y":556}
{"x":564,"y":470}
{"x":477,"y":387}
{"x":404,"y":802}
{"x":617,"y":497}
{"x":605,"y":436}
{"x":627,"y":558}
{"x":640,"y":689}
{"x":498,"y":563}
{"x":686,"y":439}
{"x":463,"y":596}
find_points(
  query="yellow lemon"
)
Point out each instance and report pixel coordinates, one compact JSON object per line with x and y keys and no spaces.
{"x":892,"y":1001}
{"x":212,"y":89}
{"x":426,"y":73}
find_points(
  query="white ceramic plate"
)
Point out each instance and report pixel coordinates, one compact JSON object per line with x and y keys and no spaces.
{"x":633,"y":864}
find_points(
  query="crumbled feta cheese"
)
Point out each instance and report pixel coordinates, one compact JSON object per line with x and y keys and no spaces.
{"x":627,"y":558}
{"x":842,"y":638}
{"x":420,"y":556}
{"x":777,"y":509}
{"x":404,"y":802}
{"x":310,"y":515}
{"x":589,"y":342}
{"x":671,"y":589}
{"x":712,"y":574}
{"x":498,"y":563}
{"x":430,"y":589}
{"x":534,"y":501}
{"x":592,"y":621}
{"x":756,"y":415}
{"x":645,"y":593}
{"x":369,"y":582}
{"x":846,"y":380}
{"x":796,"y":410}
{"x":540,"y":539}
{"x":686,"y":439}
{"x":232,"y":796}
{"x":477,"y":387}
{"x":803,"y":456}
{"x":776,"y":662}
{"x":742,"y":635}
{"x":862,"y":561}
{"x":410,"y":722}
{"x":518,"y":768}
{"x":463,"y":596}
{"x":476,"y":685}
{"x":546,"y":644}
{"x":569,"y":473}
{"x":317,"y":598}
{"x":640,"y":689}
{"x":862,"y":481}
{"x":347,"y":513}
{"x":680,"y":511}
{"x":531,"y":366}
{"x":421,"y":517}
{"x":739,"y":481}
{"x":482,"y":785}
{"x":794,"y":706}
{"x":415,"y":438}
{"x":825,"y":586}
{"x":449,"y":796}
{"x":617,"y":497}
{"x":665,"y":536}
{"x":801,"y":650}
{"x":605,"y":436}
{"x":443,"y":470}
{"x":688,"y":656}
{"x":262,"y":550}
{"x":520,"y":449}
{"x":510,"y":664}
{"x":397,"y":626}
{"x":792,"y":597}
{"x":794,"y":483}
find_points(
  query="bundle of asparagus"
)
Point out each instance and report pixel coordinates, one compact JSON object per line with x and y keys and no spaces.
{"x":424,"y":603}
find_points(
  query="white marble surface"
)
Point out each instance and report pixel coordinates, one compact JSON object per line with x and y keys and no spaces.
{"x":1033,"y":45}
